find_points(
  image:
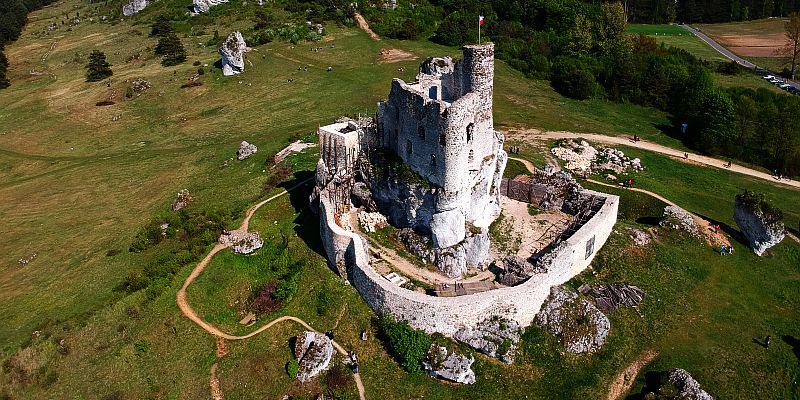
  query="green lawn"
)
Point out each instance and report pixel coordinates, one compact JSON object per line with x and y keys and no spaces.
{"x":658,"y":29}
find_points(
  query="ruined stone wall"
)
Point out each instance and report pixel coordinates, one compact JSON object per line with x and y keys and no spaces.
{"x":447,"y":315}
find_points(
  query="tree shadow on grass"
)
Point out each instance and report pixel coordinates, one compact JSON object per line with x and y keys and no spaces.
{"x":652,"y":382}
{"x":732,"y":232}
{"x":307,"y":220}
{"x":794,"y":342}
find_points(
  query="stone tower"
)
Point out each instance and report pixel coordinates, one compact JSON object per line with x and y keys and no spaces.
{"x":441,"y":126}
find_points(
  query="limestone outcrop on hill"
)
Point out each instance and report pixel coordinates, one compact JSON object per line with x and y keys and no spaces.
{"x":232,"y":53}
{"x":495,"y":336}
{"x":445,"y":364}
{"x":678,"y":218}
{"x":133,"y":7}
{"x":761,"y":224}
{"x":201,"y":6}
{"x":313,"y":352}
{"x":579,"y":325}
{"x":242,"y":242}
{"x":678,"y":384}
{"x":246,"y":150}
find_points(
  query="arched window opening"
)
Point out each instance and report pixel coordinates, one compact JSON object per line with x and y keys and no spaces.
{"x":409,"y":147}
{"x":471,"y":155}
{"x":470,"y":128}
{"x":442,"y":139}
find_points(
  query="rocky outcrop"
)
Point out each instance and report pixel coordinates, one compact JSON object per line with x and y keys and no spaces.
{"x":582,"y":157}
{"x":495,"y":336}
{"x":201,"y":6}
{"x":133,"y":7}
{"x":580,"y":326}
{"x":242,"y":242}
{"x":680,"y":219}
{"x":181,"y":200}
{"x":362,"y":197}
{"x":246,"y":150}
{"x":232,"y":52}
{"x":445,"y":364}
{"x":518,"y":270}
{"x":313,"y":352}
{"x":640,"y":237}
{"x":760,"y":223}
{"x":677,"y":384}
{"x":371,"y":222}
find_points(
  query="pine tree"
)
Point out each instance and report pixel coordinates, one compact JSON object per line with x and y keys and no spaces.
{"x":97,"y":69}
{"x":161,"y":26}
{"x":3,"y":67}
{"x":171,"y":48}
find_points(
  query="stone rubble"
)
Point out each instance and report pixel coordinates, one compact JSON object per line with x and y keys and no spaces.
{"x":495,"y":336}
{"x":579,"y":325}
{"x":371,"y":221}
{"x":611,"y":297}
{"x":242,"y":242}
{"x":140,"y":85}
{"x":680,"y":219}
{"x":246,"y":150}
{"x":517,"y":270}
{"x":444,"y":364}
{"x":683,"y":387}
{"x":640,"y":237}
{"x":583,"y":158}
{"x":761,"y":232}
{"x":181,"y":200}
{"x":313,"y":352}
{"x":201,"y":6}
{"x":133,"y":7}
{"x":232,"y":52}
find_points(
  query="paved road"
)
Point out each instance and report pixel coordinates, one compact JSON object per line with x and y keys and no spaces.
{"x":727,"y":53}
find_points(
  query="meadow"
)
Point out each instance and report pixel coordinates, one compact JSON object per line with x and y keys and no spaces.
{"x":78,"y":181}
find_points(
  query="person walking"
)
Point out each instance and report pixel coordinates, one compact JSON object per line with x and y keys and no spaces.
{"x":730,"y":249}
{"x":722,"y":250}
{"x":767,"y":341}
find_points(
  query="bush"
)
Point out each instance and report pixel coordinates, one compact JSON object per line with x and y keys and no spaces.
{"x":407,"y":344}
{"x":292,"y":368}
{"x":573,"y":79}
{"x":264,"y":302}
{"x":97,"y":69}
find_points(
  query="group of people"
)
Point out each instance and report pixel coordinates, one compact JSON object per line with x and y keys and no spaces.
{"x":627,"y":184}
{"x":350,"y":354}
{"x":726,"y":250}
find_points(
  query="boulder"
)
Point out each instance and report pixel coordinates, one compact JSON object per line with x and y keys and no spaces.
{"x":133,"y":7}
{"x":246,"y":150}
{"x":181,"y":200}
{"x":579,"y":325}
{"x":447,"y":228}
{"x":445,"y":364}
{"x":371,"y":221}
{"x":678,"y":384}
{"x":760,"y":223}
{"x":494,"y":336}
{"x":242,"y":242}
{"x":313,"y":352}
{"x":232,"y":53}
{"x":640,"y":237}
{"x":518,"y":270}
{"x":201,"y":6}
{"x":678,"y":218}
{"x":362,"y":196}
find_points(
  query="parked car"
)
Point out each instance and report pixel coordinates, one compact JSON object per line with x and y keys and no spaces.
{"x":775,"y":81}
{"x":785,"y":86}
{"x":768,"y":77}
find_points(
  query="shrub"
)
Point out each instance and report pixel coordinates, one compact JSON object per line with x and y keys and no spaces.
{"x":98,"y":68}
{"x":264,"y":302}
{"x":141,"y":347}
{"x":201,"y":71}
{"x":292,"y":368}
{"x":407,"y":344}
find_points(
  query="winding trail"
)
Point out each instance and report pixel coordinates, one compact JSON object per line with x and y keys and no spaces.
{"x":363,"y":24}
{"x":186,"y":309}
{"x":623,"y":382}
{"x":536,"y":134}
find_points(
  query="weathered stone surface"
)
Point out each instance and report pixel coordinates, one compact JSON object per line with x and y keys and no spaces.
{"x":579,"y":325}
{"x":181,"y":200}
{"x":640,"y":237}
{"x":201,"y":6}
{"x":678,"y":218}
{"x":140,"y":85}
{"x":437,"y":66}
{"x":611,"y":297}
{"x":518,"y":270}
{"x":371,"y":221}
{"x":445,"y":364}
{"x":242,"y":242}
{"x":246,"y":150}
{"x":761,"y":231}
{"x":363,"y":197}
{"x":495,"y":336}
{"x":232,"y":52}
{"x":313,"y":352}
{"x":679,"y":384}
{"x":447,"y":228}
{"x":133,"y":7}
{"x":582,"y":157}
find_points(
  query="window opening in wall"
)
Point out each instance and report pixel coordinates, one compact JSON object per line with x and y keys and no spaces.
{"x":409,"y":147}
{"x":471,"y":155}
{"x":470,"y":128}
{"x":432,"y":92}
{"x":422,"y":132}
{"x":589,"y":247}
{"x":442,"y":139}
{"x":433,"y":160}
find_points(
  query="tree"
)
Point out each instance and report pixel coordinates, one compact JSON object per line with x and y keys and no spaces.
{"x":792,"y":48}
{"x":161,"y":26}
{"x":611,"y":27}
{"x":171,"y":48}
{"x":407,"y":344}
{"x":3,"y":67}
{"x":581,"y":39}
{"x":98,"y":68}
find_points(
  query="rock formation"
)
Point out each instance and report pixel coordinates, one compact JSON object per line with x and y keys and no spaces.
{"x":371,"y":221}
{"x":445,"y":364}
{"x":181,"y":200}
{"x":517,"y":270}
{"x":678,"y":384}
{"x":313,"y":352}
{"x":611,"y":297}
{"x":246,"y":150}
{"x":640,"y":237}
{"x":579,"y":325}
{"x":242,"y":242}
{"x":494,"y":336}
{"x":201,"y":6}
{"x":232,"y":53}
{"x":760,"y":223}
{"x":133,"y":7}
{"x":680,"y":219}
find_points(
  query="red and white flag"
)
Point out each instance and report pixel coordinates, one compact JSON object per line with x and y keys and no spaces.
{"x":480,"y":20}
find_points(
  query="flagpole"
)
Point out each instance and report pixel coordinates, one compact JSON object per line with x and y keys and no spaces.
{"x":479,"y":30}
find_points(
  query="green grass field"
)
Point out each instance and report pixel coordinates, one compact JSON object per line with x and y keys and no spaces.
{"x":658,"y":30}
{"x":77,"y":182}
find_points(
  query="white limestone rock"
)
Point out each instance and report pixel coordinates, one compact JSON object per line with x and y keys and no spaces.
{"x":246,"y":150}
{"x":133,"y":7}
{"x":762,"y":227}
{"x":371,"y":221}
{"x":242,"y":242}
{"x":445,"y":364}
{"x":579,"y":325}
{"x":678,"y":218}
{"x":201,"y":6}
{"x":313,"y":352}
{"x":447,"y":228}
{"x":494,"y":336}
{"x":437,"y":66}
{"x":181,"y":200}
{"x":688,"y":388}
{"x":232,"y":52}
{"x":640,"y":237}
